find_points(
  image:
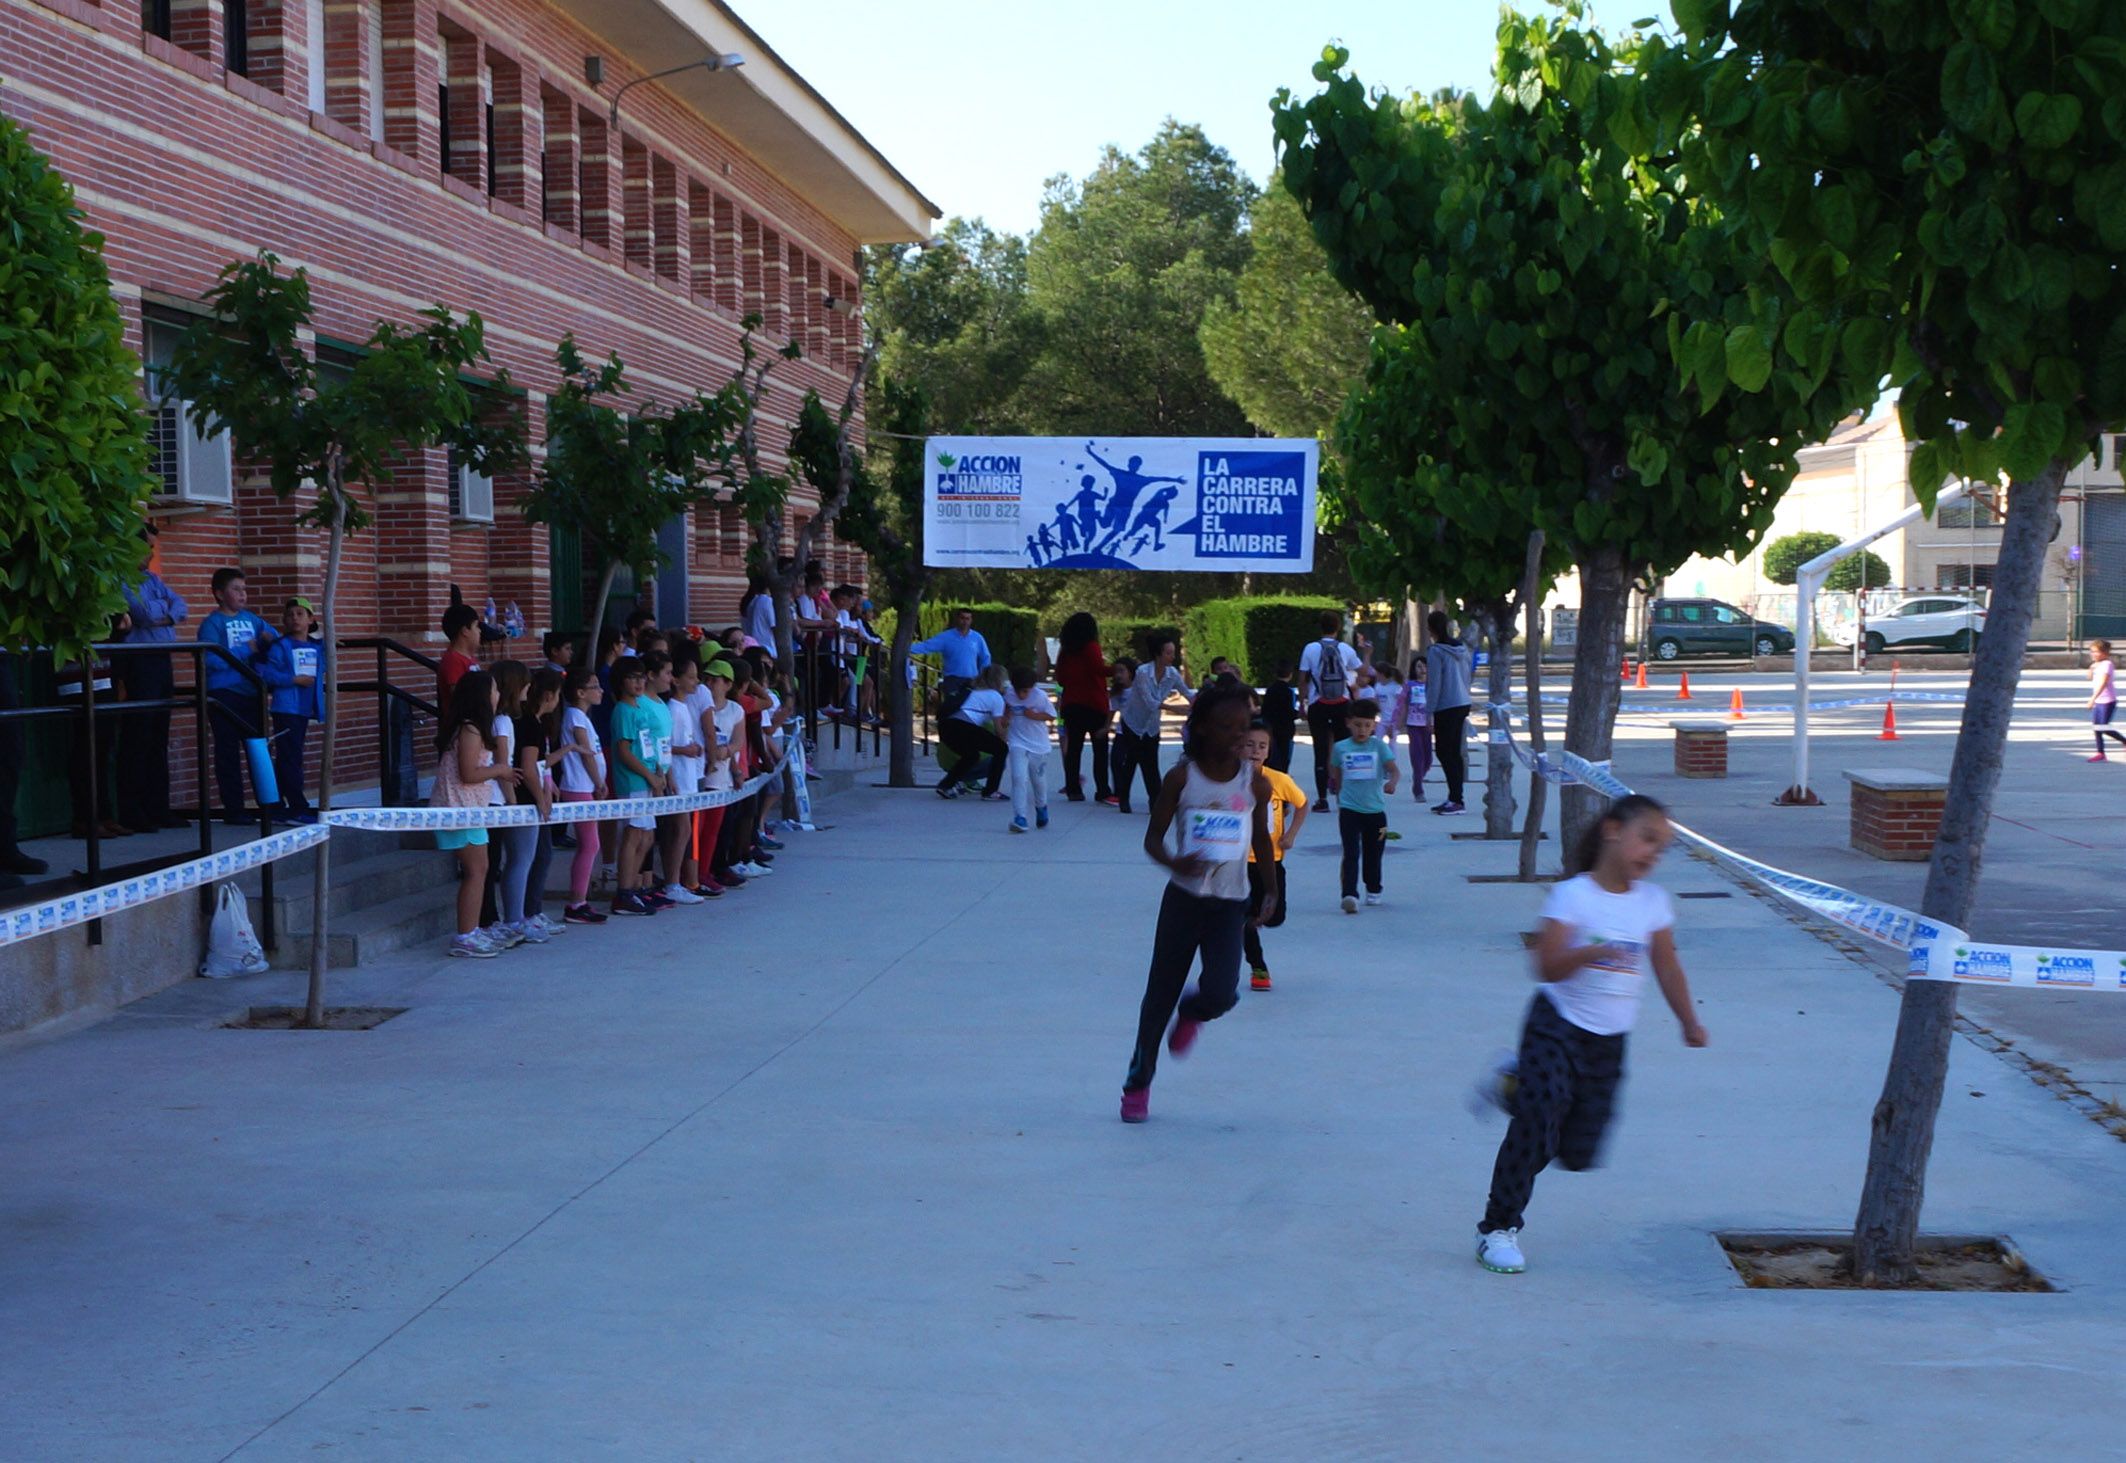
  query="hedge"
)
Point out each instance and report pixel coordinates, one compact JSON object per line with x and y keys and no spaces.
{"x":1014,"y":634}
{"x":1132,"y":638}
{"x":1255,"y":633}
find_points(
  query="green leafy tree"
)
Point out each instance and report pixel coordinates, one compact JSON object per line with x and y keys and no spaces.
{"x":1783,"y":557}
{"x":884,"y":518}
{"x":73,"y":458}
{"x":615,"y":474}
{"x":330,"y":438}
{"x":953,"y":319}
{"x":1943,"y":190}
{"x":1864,"y":570}
{"x":1545,"y":253}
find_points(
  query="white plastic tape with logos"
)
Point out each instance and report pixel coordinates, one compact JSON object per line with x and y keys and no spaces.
{"x":524,"y":815}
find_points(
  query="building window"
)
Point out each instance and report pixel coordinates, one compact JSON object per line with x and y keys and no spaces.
{"x":594,"y":189}
{"x":236,"y":36}
{"x":373,"y":66}
{"x":560,"y":175}
{"x":155,"y":17}
{"x":1968,"y":512}
{"x":1963,"y":576}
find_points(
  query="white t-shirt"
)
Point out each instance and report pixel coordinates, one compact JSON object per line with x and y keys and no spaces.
{"x":2102,"y":683}
{"x":505,"y":743}
{"x":575,"y":776}
{"x":726,"y":723}
{"x":982,"y":707}
{"x":760,"y":619}
{"x":1604,"y":999}
{"x":1310,"y":667}
{"x":686,"y":732}
{"x":1023,"y":734}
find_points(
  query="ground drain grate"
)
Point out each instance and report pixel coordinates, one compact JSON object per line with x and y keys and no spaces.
{"x":1782,"y":1260}
{"x":1705,"y":894}
{"x":290,"y":1018}
{"x":1549,"y":878}
{"x":1487,"y":838}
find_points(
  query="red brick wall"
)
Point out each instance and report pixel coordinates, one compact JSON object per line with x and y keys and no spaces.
{"x":1900,"y":825}
{"x":184,"y":167}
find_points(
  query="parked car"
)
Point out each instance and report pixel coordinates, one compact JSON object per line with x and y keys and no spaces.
{"x":1711,"y":627}
{"x":1940,"y":621}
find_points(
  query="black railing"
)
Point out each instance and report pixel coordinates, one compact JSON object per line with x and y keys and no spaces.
{"x":398,"y":767}
{"x":819,"y":668}
{"x":92,"y":713}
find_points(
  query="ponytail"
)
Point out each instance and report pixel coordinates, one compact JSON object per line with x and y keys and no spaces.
{"x":1624,"y":810}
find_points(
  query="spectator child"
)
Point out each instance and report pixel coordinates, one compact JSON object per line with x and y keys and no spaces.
{"x":1288,"y":812}
{"x":1280,"y":713}
{"x":1027,"y":714}
{"x":231,"y":701}
{"x":1389,"y":691}
{"x":637,"y":772}
{"x":1361,"y":771}
{"x":294,"y":668}
{"x":970,"y":733}
{"x":461,"y":631}
{"x":514,"y":847}
{"x":675,"y":831}
{"x":723,"y":740}
{"x":559,"y":650}
{"x":468,"y":776}
{"x":581,"y":774}
{"x":1417,"y":721}
{"x":539,"y":751}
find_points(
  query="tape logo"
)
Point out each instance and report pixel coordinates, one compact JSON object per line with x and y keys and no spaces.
{"x":1984,"y":965}
{"x":2079,"y":970}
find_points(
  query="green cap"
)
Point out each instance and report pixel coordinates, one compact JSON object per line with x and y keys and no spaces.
{"x":717,"y":667}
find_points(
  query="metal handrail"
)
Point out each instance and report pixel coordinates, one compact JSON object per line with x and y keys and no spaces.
{"x":386,"y":691}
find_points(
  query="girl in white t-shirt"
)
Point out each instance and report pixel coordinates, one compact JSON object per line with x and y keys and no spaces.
{"x":581,"y":777}
{"x":1602,"y":933}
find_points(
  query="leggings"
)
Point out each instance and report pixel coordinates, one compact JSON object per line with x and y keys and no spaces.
{"x":2100,"y":717}
{"x":1250,"y":934}
{"x":1188,"y":923}
{"x":1561,"y":1108}
{"x":579,"y":872}
{"x":1420,"y":759}
{"x":1362,"y":847}
{"x":708,"y":828}
{"x":1135,"y":752}
{"x":1080,"y":725}
{"x":517,"y":847}
{"x":1447,"y":736}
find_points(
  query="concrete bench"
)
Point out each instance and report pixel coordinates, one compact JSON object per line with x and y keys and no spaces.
{"x":1701,"y":748}
{"x":1897,"y":812}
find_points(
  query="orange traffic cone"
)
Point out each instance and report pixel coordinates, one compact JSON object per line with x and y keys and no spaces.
{"x":1683,"y":688}
{"x":1624,"y":669}
{"x":1889,"y":723}
{"x":1895,"y":667}
{"x":1641,"y":683}
{"x":1734,"y":704}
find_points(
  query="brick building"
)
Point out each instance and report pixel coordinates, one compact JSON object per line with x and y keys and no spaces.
{"x":410,"y":152}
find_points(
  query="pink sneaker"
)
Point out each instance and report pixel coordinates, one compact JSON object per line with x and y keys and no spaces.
{"x":2099,"y":757}
{"x":1137,"y":1105}
{"x":1183,"y":1036}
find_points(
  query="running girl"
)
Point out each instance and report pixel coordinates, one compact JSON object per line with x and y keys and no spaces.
{"x":2103,"y":696}
{"x":1602,"y":932}
{"x":1218,"y":804}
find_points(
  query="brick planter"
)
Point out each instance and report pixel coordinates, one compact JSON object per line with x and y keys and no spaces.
{"x":1701,"y":748}
{"x":1897,"y":812}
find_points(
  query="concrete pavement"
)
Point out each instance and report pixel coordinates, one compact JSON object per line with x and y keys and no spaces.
{"x":831,"y":1170}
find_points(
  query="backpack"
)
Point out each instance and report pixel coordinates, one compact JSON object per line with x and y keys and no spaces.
{"x":1332,"y":682}
{"x":232,"y":945}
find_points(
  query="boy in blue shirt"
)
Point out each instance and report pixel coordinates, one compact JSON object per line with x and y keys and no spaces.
{"x":232,"y":703}
{"x":1363,"y":774}
{"x":294,"y":667}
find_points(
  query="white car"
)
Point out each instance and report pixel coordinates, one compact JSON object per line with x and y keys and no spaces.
{"x":1934,"y":621}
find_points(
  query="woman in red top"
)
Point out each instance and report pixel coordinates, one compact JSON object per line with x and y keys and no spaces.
{"x":1083,"y":672}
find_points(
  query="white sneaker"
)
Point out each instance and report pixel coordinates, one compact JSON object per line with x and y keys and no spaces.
{"x":759,"y":871}
{"x":530,"y":933}
{"x":680,"y":894}
{"x":1350,"y":904}
{"x":1500,"y":1252}
{"x":551,"y":925}
{"x":1373,"y":899}
{"x":1493,"y":1091}
{"x":473,"y":946}
{"x":502,"y":936}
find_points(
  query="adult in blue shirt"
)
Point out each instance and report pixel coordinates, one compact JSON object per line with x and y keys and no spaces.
{"x":965,"y":653}
{"x":144,"y":736}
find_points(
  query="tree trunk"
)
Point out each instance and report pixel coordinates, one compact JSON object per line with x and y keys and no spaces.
{"x":605,"y":595}
{"x":321,"y":872}
{"x":1497,"y":620}
{"x":1538,"y":789}
{"x":1605,"y":587}
{"x":1902,"y":1132}
{"x":900,"y":764}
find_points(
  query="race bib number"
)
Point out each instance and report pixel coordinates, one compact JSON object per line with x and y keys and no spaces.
{"x":664,"y":751}
{"x":1417,"y":698}
{"x":646,"y":747}
{"x":1362,"y":766}
{"x":241,"y":634}
{"x":1215,"y":835}
{"x":306,"y":660}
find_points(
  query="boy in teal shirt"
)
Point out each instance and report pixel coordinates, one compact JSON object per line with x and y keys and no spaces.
{"x":1363,"y":775}
{"x":641,"y":749}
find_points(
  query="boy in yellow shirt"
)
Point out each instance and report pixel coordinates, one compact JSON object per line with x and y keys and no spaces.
{"x":1288,"y":810}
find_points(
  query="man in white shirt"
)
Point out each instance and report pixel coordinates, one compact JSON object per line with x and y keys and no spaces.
{"x":1328,"y":669}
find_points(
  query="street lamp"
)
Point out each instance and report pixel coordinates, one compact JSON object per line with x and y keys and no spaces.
{"x":594,"y":73}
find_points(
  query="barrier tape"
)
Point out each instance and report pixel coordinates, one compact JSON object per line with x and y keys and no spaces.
{"x":525,"y":815}
{"x":1934,"y":951}
{"x":1776,"y":708}
{"x":33,"y":920}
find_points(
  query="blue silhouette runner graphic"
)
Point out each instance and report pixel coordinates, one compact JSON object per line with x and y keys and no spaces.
{"x":1087,"y":502}
{"x":1129,"y":482}
{"x":1033,"y":551}
{"x":1066,"y":528}
{"x":1152,"y":517}
{"x":1049,"y":548}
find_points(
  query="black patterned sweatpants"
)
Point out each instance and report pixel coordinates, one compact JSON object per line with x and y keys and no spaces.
{"x":1566,"y":1095}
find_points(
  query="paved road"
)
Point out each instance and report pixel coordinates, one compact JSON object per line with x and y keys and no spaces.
{"x":834,"y":1172}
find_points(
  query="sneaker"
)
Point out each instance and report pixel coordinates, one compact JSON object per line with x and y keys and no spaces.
{"x":770,"y":844}
{"x":503,"y":937}
{"x":948,"y":793}
{"x":630,"y":901}
{"x":1500,"y":1252}
{"x":1373,"y":897}
{"x":1494,"y":1090}
{"x":548,"y":923}
{"x":1182,"y":1038}
{"x":2099,"y":757}
{"x":710,"y":890}
{"x":656,"y":901}
{"x":1449,"y":808}
{"x":1018,"y":825}
{"x":996,"y":797}
{"x":765,"y":860}
{"x":1137,"y":1105}
{"x":1259,"y":980}
{"x":532,"y":934}
{"x":582,"y":914}
{"x":474,"y":946}
{"x":680,"y":894}
{"x":730,"y":878}
{"x":1040,"y":817}
{"x":1073,"y":795}
{"x":1350,"y":904}
{"x":1111,"y":801}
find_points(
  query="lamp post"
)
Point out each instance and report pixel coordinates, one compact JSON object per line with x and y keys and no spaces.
{"x":594,"y":73}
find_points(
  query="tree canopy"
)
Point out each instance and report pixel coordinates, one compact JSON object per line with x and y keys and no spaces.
{"x":1784,"y":556}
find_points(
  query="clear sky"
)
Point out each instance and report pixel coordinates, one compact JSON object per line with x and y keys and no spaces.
{"x":979,"y":101}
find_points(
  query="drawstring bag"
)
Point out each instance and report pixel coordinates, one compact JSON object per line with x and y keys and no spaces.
{"x":232,"y":945}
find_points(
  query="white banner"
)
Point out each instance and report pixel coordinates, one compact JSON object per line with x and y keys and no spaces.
{"x":1146,"y":503}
